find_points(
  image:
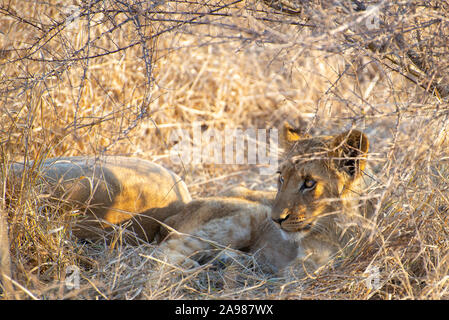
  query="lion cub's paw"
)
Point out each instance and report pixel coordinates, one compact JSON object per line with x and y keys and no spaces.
{"x":179,"y":260}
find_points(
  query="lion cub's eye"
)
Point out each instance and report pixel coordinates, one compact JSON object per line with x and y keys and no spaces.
{"x":281,"y":179}
{"x":308,"y":184}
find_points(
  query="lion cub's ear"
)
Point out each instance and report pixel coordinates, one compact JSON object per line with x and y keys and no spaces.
{"x":350,"y":150}
{"x":289,"y":136}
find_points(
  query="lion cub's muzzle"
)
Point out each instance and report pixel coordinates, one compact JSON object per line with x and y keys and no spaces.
{"x":292,"y":222}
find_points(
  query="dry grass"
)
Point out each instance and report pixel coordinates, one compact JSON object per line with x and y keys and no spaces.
{"x":235,"y":70}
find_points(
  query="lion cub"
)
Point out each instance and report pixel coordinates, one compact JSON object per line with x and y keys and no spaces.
{"x":318,"y":189}
{"x":108,"y":191}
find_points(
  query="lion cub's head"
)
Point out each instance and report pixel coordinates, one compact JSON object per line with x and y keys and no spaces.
{"x":316,"y":180}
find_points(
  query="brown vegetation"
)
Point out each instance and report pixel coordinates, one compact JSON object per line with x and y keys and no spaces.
{"x":117,"y":78}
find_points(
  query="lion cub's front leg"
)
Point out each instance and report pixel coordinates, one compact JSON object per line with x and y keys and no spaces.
{"x":207,"y":226}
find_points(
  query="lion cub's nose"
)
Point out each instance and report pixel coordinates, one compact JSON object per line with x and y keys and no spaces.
{"x":282,"y":217}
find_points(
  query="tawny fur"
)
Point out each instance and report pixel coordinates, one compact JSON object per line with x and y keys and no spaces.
{"x":281,"y":227}
{"x":110,"y":190}
{"x":277,"y":227}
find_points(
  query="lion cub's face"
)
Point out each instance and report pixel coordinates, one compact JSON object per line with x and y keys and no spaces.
{"x":315,"y":178}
